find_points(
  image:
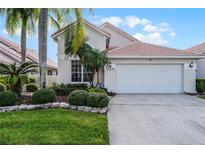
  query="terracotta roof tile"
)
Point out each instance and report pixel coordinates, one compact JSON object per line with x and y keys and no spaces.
{"x":13,"y":50}
{"x":199,"y":48}
{"x":139,"y":48}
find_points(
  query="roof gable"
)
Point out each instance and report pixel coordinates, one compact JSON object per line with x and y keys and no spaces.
{"x":62,"y":30}
{"x":118,"y":30}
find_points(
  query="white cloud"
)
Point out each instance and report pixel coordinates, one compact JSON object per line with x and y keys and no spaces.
{"x":172,"y":34}
{"x":155,"y":33}
{"x":116,"y":21}
{"x":161,"y":27}
{"x":164,"y":24}
{"x":154,"y":38}
{"x":132,"y":21}
{"x":150,"y":28}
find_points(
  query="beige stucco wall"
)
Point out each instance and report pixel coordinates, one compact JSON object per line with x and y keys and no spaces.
{"x":95,"y":39}
{"x":189,"y":74}
{"x":50,"y":79}
{"x":200,"y":68}
{"x":117,"y":39}
{"x":64,"y":70}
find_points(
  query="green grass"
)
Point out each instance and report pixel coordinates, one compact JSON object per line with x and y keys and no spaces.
{"x":53,"y":126}
{"x":201,"y":96}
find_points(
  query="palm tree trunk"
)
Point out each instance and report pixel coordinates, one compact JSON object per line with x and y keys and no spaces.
{"x":23,"y":41}
{"x":98,"y":79}
{"x":42,"y":38}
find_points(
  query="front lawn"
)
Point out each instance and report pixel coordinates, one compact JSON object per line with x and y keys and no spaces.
{"x":201,"y":96}
{"x":53,"y":126}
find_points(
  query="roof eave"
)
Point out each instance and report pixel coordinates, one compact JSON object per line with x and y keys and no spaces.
{"x":56,"y":34}
{"x":158,"y":57}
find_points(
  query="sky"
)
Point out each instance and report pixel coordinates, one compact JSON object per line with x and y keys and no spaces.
{"x":176,"y":28}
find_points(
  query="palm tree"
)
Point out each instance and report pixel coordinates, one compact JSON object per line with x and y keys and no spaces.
{"x":42,"y":35}
{"x":25,"y":19}
{"x":94,"y":59}
{"x":42,"y":45}
{"x":15,"y":72}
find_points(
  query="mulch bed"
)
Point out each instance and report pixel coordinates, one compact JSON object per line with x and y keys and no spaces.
{"x":61,"y":98}
{"x":27,"y":97}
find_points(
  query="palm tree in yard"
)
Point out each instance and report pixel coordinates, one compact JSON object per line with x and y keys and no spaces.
{"x":78,"y":39}
{"x":14,"y":72}
{"x":42,"y":45}
{"x":25,"y":19}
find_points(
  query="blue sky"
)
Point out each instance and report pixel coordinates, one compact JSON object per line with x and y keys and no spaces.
{"x":177,"y":28}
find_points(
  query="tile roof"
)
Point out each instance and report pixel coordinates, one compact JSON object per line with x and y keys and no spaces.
{"x":139,"y":48}
{"x":199,"y":48}
{"x":13,"y":50}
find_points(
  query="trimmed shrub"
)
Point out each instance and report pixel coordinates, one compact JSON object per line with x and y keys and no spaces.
{"x":79,"y":86}
{"x":43,"y":96}
{"x":60,"y":91}
{"x":105,"y":89}
{"x":4,"y":79}
{"x":78,"y":97}
{"x":2,"y":87}
{"x":91,"y":90}
{"x":97,"y":100}
{"x":200,"y":85}
{"x":66,"y":89}
{"x":31,"y":87}
{"x":8,"y":98}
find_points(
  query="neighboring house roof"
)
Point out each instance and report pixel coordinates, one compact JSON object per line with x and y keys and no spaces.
{"x":141,"y":49}
{"x":13,"y":51}
{"x":56,"y":34}
{"x":199,"y":48}
{"x":118,"y":30}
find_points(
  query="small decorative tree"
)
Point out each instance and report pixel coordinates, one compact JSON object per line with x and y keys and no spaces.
{"x":15,"y":72}
{"x":94,"y":59}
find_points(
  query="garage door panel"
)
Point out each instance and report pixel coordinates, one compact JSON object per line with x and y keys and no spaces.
{"x":149,"y":78}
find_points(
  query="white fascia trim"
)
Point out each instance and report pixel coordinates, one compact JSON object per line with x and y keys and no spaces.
{"x":101,"y":32}
{"x":154,"y":57}
{"x":125,"y":34}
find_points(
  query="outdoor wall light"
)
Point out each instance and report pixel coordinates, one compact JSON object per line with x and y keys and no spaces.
{"x":191,"y":65}
{"x":110,"y":65}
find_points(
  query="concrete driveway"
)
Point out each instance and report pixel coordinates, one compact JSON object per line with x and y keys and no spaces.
{"x":156,"y":119}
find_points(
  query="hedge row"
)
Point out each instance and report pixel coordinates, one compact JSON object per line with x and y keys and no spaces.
{"x":66,"y":89}
{"x":200,"y":85}
{"x":93,"y":99}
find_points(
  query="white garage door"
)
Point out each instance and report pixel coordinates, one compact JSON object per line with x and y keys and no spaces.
{"x":149,"y":78}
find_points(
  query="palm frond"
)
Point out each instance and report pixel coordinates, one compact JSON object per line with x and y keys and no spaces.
{"x":80,"y":33}
{"x":25,"y":66}
{"x":5,"y":69}
{"x":12,"y":21}
{"x":54,"y":23}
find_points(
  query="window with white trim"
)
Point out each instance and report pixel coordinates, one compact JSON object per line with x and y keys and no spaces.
{"x":79,"y":73}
